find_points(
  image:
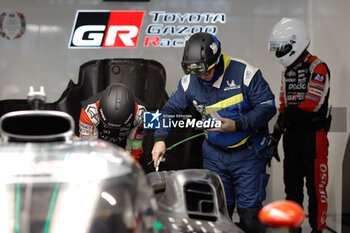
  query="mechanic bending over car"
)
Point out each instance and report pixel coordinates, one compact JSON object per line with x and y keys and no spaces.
{"x":237,"y":151}
{"x":302,"y":119}
{"x":114,"y":115}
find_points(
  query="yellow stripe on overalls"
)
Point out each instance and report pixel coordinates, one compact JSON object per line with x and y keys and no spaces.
{"x":224,"y":104}
{"x":240,"y":143}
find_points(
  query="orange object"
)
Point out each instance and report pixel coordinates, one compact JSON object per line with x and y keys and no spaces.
{"x":282,"y":214}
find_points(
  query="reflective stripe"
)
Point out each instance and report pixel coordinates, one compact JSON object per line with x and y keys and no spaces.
{"x":240,"y":143}
{"x":209,"y":68}
{"x":224,"y":103}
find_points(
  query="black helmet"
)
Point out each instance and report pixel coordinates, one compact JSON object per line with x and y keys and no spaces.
{"x":202,"y":52}
{"x":116,"y":106}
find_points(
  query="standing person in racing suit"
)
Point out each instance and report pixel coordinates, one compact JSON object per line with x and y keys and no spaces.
{"x":237,"y":151}
{"x":114,"y":116}
{"x":302,"y":119}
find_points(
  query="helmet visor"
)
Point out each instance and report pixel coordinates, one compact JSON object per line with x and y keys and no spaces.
{"x":195,"y":68}
{"x":281,"y":47}
{"x":274,"y":45}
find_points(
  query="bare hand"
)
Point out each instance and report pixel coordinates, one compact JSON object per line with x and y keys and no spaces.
{"x":227,"y":125}
{"x":158,"y":148}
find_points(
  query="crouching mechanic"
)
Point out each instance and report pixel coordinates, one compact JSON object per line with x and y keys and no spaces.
{"x":114,"y":116}
{"x":237,"y":151}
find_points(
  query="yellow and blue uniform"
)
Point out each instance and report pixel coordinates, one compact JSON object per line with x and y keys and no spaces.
{"x":239,"y":92}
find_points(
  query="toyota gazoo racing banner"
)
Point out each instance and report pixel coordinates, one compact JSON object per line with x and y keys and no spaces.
{"x":106,"y":29}
{"x":121,"y":29}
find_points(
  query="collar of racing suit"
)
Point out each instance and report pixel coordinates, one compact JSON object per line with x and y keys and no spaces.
{"x":226,"y":62}
{"x":302,"y":58}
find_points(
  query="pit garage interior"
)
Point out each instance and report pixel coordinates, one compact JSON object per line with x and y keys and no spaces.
{"x":37,"y":50}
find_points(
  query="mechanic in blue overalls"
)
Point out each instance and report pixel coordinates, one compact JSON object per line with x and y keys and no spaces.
{"x":237,"y":151}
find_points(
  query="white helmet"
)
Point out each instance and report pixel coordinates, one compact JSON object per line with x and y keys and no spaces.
{"x":289,"y":38}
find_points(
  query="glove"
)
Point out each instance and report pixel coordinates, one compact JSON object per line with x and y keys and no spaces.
{"x":279,"y":128}
{"x":273,"y":143}
{"x":259,"y":145}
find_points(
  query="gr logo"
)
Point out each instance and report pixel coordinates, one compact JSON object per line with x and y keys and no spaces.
{"x":107,"y":29}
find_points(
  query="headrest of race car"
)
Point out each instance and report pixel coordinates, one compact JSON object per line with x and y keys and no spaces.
{"x":36,"y":126}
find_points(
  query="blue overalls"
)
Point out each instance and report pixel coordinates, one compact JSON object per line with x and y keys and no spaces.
{"x":241,"y":94}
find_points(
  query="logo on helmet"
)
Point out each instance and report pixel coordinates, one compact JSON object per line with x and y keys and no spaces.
{"x":127,"y":120}
{"x":102,"y":115}
{"x":214,"y":47}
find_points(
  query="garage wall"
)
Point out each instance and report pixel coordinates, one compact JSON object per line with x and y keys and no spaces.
{"x":330,"y":32}
{"x":41,"y":55}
